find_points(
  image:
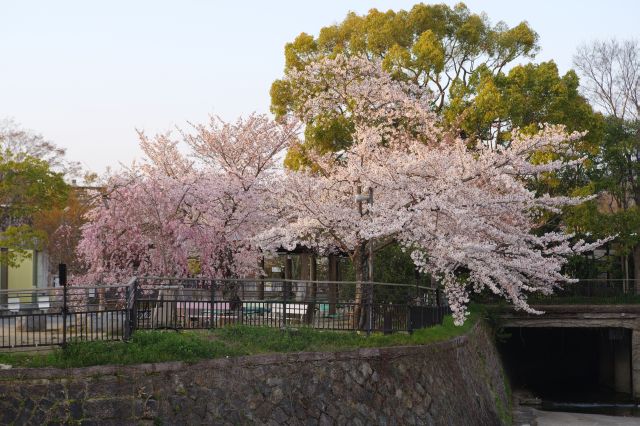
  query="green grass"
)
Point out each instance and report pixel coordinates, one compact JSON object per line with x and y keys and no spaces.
{"x":191,"y":346}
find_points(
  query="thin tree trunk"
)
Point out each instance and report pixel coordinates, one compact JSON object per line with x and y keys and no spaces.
{"x":288,"y":273}
{"x":4,"y":274}
{"x":360,"y":265}
{"x":636,"y":267}
{"x":304,"y":267}
{"x":262,"y":277}
{"x":333,"y":287}
{"x":303,"y":275}
{"x":313,"y":276}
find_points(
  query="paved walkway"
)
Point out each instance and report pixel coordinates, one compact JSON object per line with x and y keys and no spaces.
{"x":553,"y":418}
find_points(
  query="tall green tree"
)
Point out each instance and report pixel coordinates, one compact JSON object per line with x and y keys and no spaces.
{"x":459,"y":57}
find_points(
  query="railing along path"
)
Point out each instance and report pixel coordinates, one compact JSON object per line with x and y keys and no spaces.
{"x":56,"y":316}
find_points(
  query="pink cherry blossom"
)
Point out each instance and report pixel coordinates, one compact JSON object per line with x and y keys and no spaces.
{"x":188,"y":214}
{"x":216,"y":199}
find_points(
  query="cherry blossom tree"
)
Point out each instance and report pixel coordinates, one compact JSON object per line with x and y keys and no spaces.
{"x":464,"y":213}
{"x":180,"y":214}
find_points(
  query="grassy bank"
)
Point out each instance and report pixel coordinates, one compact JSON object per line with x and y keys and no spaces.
{"x":191,"y":346}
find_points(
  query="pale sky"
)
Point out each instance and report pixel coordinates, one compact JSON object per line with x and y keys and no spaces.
{"x":86,"y":74}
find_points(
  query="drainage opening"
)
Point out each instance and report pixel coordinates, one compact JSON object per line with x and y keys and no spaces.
{"x":572,"y":369}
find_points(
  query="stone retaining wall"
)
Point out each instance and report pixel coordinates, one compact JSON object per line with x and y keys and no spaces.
{"x":458,"y":382}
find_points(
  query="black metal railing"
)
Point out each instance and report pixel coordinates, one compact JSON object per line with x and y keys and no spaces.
{"x":610,"y":291}
{"x":331,"y":305}
{"x":583,"y":291}
{"x":56,"y":316}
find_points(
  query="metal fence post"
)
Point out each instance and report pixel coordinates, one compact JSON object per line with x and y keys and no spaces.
{"x":213,"y":305}
{"x":370,"y":314}
{"x":130,"y":312}
{"x":134,"y":306}
{"x":285,"y":290}
{"x":62,"y":279}
{"x":127,"y":313}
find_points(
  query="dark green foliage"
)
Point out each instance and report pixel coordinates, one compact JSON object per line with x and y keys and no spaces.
{"x":461,"y":58}
{"x":615,"y":176}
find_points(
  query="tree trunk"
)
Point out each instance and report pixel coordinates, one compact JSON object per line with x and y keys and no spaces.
{"x":636,"y":267}
{"x":288,"y":273}
{"x":303,"y":275}
{"x":333,"y":287}
{"x":313,"y":290}
{"x":4,"y":275}
{"x":102,"y":299}
{"x":360,"y":265}
{"x":304,"y":266}
{"x":262,"y":277}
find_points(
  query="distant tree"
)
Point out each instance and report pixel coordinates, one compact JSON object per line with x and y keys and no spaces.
{"x":54,"y":225}
{"x":23,"y":143}
{"x":616,"y":176}
{"x":610,"y":73}
{"x":62,"y":226}
{"x":28,"y":186}
{"x":611,"y":76}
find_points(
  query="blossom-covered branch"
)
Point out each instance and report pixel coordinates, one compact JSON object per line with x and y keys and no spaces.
{"x":464,"y":213}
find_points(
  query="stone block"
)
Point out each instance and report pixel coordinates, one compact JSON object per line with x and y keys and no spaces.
{"x":106,"y":409}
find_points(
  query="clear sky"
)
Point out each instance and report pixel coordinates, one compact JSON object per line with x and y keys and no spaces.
{"x":86,"y":74}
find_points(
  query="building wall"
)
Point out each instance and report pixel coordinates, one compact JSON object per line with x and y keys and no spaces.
{"x":42,"y":270}
{"x":21,"y":276}
{"x":33,"y":271}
